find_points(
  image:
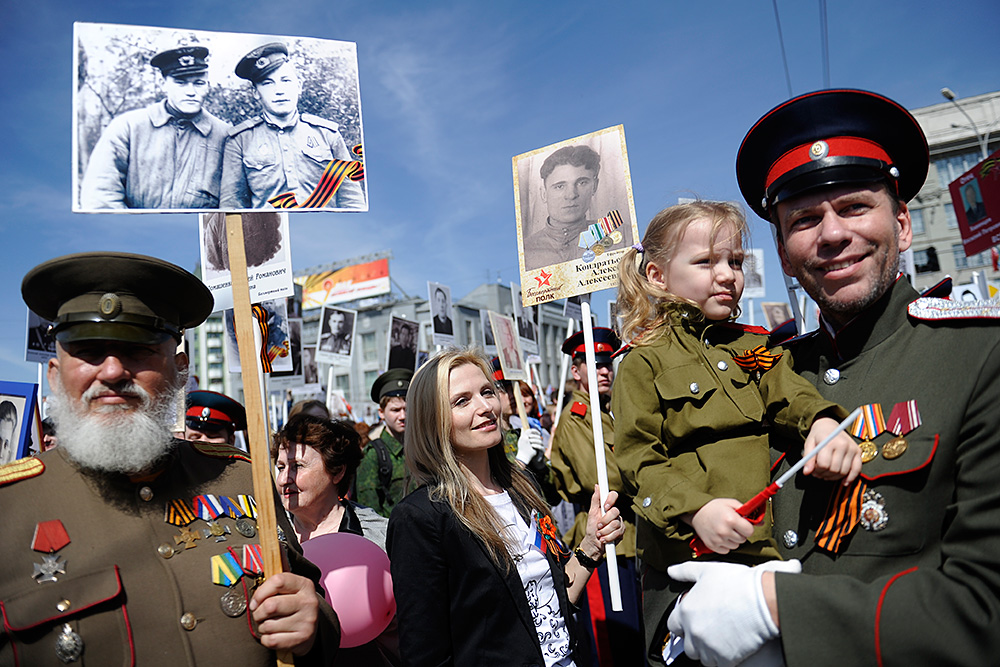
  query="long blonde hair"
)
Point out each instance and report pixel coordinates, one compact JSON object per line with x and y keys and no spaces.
{"x":645,"y":307}
{"x":431,"y":459}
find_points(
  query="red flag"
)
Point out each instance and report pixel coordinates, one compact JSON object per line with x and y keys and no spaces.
{"x":995,"y":256}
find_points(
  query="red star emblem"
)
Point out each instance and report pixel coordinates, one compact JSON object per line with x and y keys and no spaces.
{"x":543,"y":279}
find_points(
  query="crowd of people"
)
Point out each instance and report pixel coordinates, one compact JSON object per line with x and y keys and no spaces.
{"x":881,"y":550}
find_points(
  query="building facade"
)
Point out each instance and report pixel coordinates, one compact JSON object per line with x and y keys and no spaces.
{"x":954,"y":149}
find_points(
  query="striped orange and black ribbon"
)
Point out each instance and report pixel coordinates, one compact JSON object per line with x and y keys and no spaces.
{"x":260,"y":314}
{"x":336,"y":172}
{"x":842,"y":516}
{"x":757,"y":359}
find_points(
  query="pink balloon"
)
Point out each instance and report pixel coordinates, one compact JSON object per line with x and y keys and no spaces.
{"x":355,"y":574}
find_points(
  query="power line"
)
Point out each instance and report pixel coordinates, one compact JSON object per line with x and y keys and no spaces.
{"x":825,"y":41}
{"x":781,"y":43}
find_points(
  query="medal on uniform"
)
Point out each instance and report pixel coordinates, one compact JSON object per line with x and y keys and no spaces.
{"x":234,"y":600}
{"x":904,"y":418}
{"x":49,"y":537}
{"x":187,"y":537}
{"x":894,"y":448}
{"x":69,"y":645}
{"x":874,"y":516}
{"x":217,"y":530}
{"x":867,"y":426}
{"x":246,"y":527}
{"x":868,"y":450}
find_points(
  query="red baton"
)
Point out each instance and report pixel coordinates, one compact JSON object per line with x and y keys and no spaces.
{"x":753,"y":509}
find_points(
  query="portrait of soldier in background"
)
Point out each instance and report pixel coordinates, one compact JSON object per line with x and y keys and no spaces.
{"x":167,"y":155}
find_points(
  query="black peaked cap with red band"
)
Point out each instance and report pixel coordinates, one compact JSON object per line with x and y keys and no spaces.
{"x":606,"y":343}
{"x":828,"y":138}
{"x":210,"y":408}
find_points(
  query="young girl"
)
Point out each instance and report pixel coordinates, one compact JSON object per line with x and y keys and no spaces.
{"x":694,"y":406}
{"x":478,"y":577}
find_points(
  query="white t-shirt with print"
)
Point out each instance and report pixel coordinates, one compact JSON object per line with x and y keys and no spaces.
{"x":536,"y":577}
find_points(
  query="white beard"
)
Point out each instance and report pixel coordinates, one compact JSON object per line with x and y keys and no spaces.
{"x":116,"y":438}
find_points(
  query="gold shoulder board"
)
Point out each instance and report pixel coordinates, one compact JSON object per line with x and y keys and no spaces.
{"x":20,"y":469}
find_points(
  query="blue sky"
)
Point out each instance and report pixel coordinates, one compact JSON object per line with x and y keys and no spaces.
{"x":452,"y":90}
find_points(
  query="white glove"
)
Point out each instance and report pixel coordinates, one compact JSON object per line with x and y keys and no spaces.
{"x":529,"y":444}
{"x":724,"y":617}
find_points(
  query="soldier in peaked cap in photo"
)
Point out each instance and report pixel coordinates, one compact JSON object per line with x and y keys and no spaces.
{"x":382,"y":479}
{"x":902,"y":567}
{"x":213,"y":417}
{"x":282,"y":152}
{"x":167,"y":155}
{"x":615,"y":637}
{"x":128,"y":546}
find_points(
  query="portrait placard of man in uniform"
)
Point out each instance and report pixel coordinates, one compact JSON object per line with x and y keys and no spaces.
{"x":575,"y":214}
{"x":336,"y":335}
{"x":403,"y":341}
{"x":154,"y":109}
{"x":442,"y":328}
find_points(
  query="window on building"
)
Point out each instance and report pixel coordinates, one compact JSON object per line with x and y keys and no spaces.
{"x":368,"y":347}
{"x":949,"y":216}
{"x":950,"y":168}
{"x":926,"y":261}
{"x":917,"y":216}
{"x":963,"y":262}
{"x":370,"y":377}
{"x":343,"y":383}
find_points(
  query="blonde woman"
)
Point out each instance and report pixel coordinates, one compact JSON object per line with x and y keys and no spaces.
{"x":479,"y":575}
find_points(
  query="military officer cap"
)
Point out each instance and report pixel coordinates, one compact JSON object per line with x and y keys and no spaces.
{"x":394,"y":382}
{"x":181,"y":61}
{"x":214,"y":410}
{"x":263,"y":60}
{"x":606,"y":342}
{"x":116,"y":296}
{"x":829,"y":138}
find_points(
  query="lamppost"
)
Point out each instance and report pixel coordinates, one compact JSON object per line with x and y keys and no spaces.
{"x":949,"y":95}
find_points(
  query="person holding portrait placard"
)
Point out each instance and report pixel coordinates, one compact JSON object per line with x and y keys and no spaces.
{"x":129,"y":546}
{"x":166,"y":156}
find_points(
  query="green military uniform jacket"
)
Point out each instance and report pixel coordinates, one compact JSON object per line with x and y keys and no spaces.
{"x":128,"y":602}
{"x":925,"y":589}
{"x":574,"y":468}
{"x":370,"y":491}
{"x":692,"y":426}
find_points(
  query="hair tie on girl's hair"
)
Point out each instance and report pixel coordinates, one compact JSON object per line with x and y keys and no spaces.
{"x":638,"y":246}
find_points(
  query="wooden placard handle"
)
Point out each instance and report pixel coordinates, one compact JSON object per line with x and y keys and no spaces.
{"x":257,"y":430}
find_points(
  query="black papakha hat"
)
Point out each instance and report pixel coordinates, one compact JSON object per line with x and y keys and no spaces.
{"x":263,"y":60}
{"x":394,"y":382}
{"x":116,"y":296}
{"x":828,"y":138}
{"x":181,"y":61}
{"x":606,"y":343}
{"x":212,"y":409}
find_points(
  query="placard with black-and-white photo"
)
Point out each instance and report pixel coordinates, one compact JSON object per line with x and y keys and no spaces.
{"x":169,"y":119}
{"x":527,"y":329}
{"x":294,"y":377}
{"x":39,"y":345}
{"x":336,"y":335}
{"x":310,"y":369}
{"x":18,"y":407}
{"x":442,"y":325}
{"x":489,"y":344}
{"x":508,"y":347}
{"x":269,"y":259}
{"x":403,"y":340}
{"x":575,"y":215}
{"x":277,"y":347}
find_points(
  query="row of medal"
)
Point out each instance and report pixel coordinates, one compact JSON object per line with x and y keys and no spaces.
{"x":903,"y":418}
